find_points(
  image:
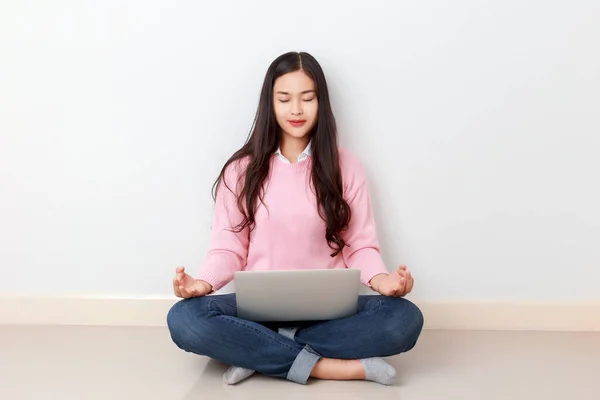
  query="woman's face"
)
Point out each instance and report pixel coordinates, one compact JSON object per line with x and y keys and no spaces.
{"x":295,"y":103}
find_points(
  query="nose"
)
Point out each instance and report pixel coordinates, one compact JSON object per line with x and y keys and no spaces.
{"x":296,"y":108}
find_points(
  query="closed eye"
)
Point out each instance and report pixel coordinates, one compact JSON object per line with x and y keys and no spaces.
{"x":305,"y":100}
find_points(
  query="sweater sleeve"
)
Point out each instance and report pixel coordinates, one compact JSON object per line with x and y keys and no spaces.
{"x":363,"y":252}
{"x":228,"y":249}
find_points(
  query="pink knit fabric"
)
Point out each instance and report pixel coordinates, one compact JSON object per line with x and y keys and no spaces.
{"x":289,"y":233}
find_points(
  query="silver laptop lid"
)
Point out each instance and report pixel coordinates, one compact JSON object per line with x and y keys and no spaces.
{"x":299,"y":295}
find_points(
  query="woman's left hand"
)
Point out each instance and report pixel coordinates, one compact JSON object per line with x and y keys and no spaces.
{"x":396,"y":284}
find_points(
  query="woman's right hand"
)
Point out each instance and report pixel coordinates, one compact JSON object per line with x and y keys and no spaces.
{"x":185,"y":286}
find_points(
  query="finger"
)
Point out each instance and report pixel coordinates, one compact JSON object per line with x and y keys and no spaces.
{"x":185,"y":293}
{"x":402,"y":267}
{"x":180,"y":270}
{"x":409,"y":285}
{"x":179,"y":276}
{"x":176,"y":287}
{"x":402,"y":280}
{"x":402,"y":289}
{"x":398,"y":288}
{"x":193,"y":291}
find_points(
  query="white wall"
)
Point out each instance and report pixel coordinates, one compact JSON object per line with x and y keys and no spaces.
{"x":477,"y":121}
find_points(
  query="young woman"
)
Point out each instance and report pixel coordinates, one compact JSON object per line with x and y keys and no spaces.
{"x":291,"y":197}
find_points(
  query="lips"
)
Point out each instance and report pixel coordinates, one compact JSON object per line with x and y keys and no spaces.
{"x":296,"y":123}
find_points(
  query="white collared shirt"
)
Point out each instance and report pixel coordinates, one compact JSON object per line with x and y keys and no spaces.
{"x":301,"y":157}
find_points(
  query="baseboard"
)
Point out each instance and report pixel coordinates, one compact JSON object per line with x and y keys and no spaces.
{"x":567,"y":316}
{"x":115,"y":310}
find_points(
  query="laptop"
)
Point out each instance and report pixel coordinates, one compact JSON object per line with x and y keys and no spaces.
{"x":297,"y":295}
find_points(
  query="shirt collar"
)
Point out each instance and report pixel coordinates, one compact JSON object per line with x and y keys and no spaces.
{"x":308,"y":149}
{"x":306,"y":153}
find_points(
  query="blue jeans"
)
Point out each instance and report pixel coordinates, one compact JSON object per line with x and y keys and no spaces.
{"x":208,"y":326}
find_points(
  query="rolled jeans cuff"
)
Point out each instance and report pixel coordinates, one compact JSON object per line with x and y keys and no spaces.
{"x":303,"y":365}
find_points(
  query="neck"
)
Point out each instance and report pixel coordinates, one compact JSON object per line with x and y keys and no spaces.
{"x":291,"y":147}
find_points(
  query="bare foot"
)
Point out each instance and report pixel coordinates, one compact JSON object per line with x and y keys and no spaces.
{"x":339,"y":370}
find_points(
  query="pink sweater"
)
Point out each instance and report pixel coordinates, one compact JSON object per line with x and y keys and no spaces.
{"x":290,"y":234}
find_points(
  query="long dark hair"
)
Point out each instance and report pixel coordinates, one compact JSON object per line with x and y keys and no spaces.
{"x":262,"y":143}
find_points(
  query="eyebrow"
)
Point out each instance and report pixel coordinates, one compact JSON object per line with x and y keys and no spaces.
{"x":305,"y":92}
